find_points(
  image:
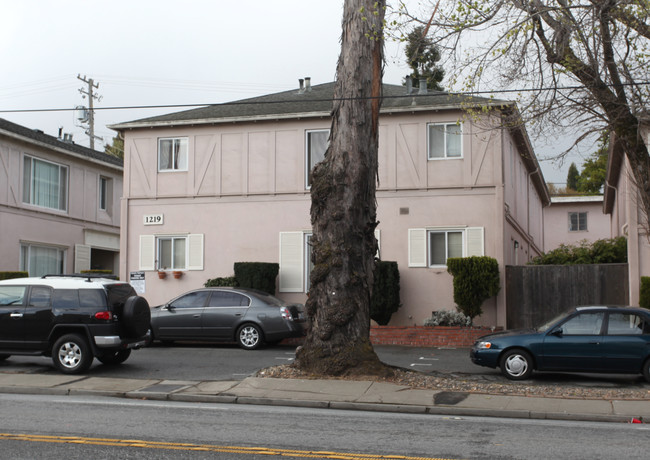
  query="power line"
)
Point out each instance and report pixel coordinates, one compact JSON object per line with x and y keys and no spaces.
{"x":258,"y":102}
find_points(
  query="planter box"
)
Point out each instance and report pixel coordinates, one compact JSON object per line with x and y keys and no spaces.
{"x":421,"y":336}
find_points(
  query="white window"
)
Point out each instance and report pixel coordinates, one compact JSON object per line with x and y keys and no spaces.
{"x":431,"y":247}
{"x":316,"y":145}
{"x":577,"y":221}
{"x":445,"y":140}
{"x":105,"y":193}
{"x":172,"y":154}
{"x":38,"y":260}
{"x":45,"y":184}
{"x":171,"y":252}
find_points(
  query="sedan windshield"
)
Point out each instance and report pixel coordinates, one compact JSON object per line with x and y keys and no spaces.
{"x":544,"y":327}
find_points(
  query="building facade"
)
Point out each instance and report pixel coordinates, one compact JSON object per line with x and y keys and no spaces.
{"x":209,"y":187}
{"x":59,"y":204}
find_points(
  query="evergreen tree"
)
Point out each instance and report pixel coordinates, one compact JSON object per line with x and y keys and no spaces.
{"x":572,"y":177}
{"x":422,"y":56}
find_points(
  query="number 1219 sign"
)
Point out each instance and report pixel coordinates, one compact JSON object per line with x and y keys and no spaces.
{"x":153,"y":219}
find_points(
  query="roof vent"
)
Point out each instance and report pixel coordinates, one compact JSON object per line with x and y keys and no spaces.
{"x":302,"y":86}
{"x":409,"y":84}
{"x":307,"y":84}
{"x":423,"y":86}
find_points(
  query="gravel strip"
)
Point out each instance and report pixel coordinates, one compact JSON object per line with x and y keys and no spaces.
{"x":473,"y":383}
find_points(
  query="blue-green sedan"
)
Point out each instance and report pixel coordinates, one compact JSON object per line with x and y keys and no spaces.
{"x":595,"y":339}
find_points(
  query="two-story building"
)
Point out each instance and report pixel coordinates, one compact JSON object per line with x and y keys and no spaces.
{"x":575,"y":219}
{"x":59,"y":204}
{"x":227,"y":183}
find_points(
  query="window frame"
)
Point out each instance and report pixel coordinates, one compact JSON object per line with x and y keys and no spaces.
{"x":173,"y":239}
{"x":26,"y":256}
{"x":445,"y":151}
{"x":578,"y":214}
{"x":62,"y":185}
{"x":308,"y":155}
{"x":182,"y":141}
{"x":103,"y":193}
{"x":446,"y":232}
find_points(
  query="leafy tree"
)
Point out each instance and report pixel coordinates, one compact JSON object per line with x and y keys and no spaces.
{"x":422,"y":56}
{"x":584,"y":64}
{"x":343,"y":206}
{"x":116,"y":148}
{"x":572,"y":177}
{"x":594,"y":170}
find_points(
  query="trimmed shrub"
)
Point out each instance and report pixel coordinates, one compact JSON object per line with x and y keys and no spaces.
{"x":12,"y":275}
{"x":385,"y":292}
{"x":644,"y":297}
{"x":257,"y":275}
{"x":606,"y":251}
{"x":98,"y":272}
{"x":476,"y":279}
{"x":448,"y":318}
{"x":228,"y":281}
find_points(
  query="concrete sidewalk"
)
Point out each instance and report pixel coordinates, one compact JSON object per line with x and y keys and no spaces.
{"x":332,"y":394}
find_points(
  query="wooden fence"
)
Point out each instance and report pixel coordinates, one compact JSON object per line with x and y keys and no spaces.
{"x":537,"y":293}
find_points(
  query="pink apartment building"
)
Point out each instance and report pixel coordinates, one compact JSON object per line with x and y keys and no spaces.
{"x":59,"y":204}
{"x":227,"y":183}
{"x":573,"y":219}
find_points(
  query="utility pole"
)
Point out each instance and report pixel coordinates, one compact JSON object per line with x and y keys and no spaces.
{"x":91,"y":113}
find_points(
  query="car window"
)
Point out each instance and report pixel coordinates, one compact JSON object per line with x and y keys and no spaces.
{"x":65,"y":299}
{"x":12,"y":295}
{"x":192,"y":300}
{"x":93,"y":298}
{"x":627,"y":324}
{"x":584,"y":324}
{"x":40,"y":296}
{"x":228,"y":299}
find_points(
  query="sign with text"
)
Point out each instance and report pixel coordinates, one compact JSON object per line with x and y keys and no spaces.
{"x":153,"y":219}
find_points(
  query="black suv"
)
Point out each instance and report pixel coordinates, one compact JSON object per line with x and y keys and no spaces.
{"x":73,"y":319}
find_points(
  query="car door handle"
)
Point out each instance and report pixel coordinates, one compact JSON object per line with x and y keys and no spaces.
{"x":197,"y":316}
{"x":16,"y":315}
{"x":238,"y":314}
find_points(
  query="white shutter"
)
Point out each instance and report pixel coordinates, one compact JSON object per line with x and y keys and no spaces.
{"x":474,"y":245}
{"x":291,"y":262}
{"x":417,"y":247}
{"x":377,"y":235}
{"x":195,"y":252}
{"x":147,"y":252}
{"x":81,"y":257}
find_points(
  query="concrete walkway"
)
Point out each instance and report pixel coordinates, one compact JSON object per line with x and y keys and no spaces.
{"x":332,"y":394}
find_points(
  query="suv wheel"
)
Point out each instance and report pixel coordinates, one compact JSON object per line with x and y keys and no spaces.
{"x":71,"y":354}
{"x":114,"y":357}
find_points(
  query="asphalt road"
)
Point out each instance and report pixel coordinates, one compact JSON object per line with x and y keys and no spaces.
{"x":76,"y":427}
{"x":201,"y":361}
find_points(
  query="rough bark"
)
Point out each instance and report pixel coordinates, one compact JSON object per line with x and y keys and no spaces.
{"x":343,"y":209}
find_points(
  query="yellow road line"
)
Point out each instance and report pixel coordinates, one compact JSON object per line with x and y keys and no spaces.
{"x":203,"y":447}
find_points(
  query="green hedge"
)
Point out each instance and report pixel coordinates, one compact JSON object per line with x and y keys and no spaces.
{"x":644,"y":298}
{"x":385,"y":292}
{"x":606,"y":251}
{"x":227,"y":281}
{"x":476,"y":279}
{"x":12,"y":275}
{"x":257,"y":275}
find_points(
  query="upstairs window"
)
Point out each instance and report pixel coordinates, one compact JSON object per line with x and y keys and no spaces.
{"x":105,"y":193}
{"x":316,"y":145}
{"x":45,"y":184}
{"x":172,"y":154}
{"x":444,"y":140}
{"x":577,"y":221}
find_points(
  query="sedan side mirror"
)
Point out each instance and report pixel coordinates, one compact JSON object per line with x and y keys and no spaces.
{"x":557,"y":332}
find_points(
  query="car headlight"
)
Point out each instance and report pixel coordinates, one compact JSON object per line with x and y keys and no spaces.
{"x":484,"y":345}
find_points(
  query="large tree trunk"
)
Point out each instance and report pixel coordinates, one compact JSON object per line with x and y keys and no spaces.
{"x":343,"y":210}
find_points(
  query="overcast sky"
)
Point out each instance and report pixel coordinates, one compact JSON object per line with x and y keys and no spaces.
{"x":163,"y":52}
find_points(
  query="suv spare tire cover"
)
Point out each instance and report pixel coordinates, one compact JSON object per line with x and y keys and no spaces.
{"x":136,"y":316}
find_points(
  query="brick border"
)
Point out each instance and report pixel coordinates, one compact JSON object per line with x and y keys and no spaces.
{"x":421,"y":336}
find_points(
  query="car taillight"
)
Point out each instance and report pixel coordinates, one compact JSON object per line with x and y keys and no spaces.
{"x":286,"y":314}
{"x":103,"y":315}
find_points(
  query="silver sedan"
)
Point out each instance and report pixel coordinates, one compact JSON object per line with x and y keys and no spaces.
{"x":220,"y":314}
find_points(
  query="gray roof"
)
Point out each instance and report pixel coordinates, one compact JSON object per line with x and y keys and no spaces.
{"x":314,"y":102}
{"x":39,"y":137}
